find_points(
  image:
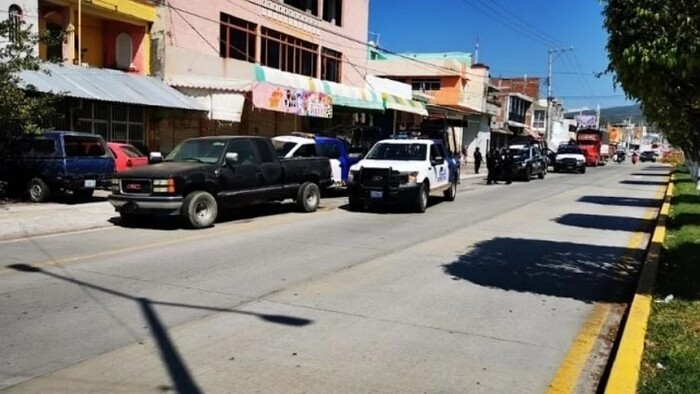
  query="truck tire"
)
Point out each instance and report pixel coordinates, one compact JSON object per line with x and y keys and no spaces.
{"x":356,"y":204}
{"x":199,"y":210}
{"x":583,"y":170}
{"x":422,"y":198}
{"x":308,"y":197}
{"x":38,"y":190}
{"x":128,"y":219}
{"x":528,"y":174}
{"x":542,"y":174}
{"x":451,"y":193}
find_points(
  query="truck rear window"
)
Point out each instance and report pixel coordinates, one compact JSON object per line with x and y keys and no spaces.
{"x":82,"y":146}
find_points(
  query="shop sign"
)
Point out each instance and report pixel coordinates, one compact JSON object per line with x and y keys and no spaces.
{"x":292,"y":101}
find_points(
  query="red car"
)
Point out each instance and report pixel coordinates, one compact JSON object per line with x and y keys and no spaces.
{"x":127,"y":156}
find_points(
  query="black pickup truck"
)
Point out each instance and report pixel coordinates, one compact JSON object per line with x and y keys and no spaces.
{"x":204,"y":174}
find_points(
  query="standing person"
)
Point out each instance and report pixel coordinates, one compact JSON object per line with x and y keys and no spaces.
{"x":478,"y":159}
{"x":491,"y":166}
{"x":508,"y":163}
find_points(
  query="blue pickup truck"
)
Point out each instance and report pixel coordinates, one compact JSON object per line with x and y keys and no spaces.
{"x":57,"y":161}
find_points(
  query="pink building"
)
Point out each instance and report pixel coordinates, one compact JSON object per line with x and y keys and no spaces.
{"x":224,"y":54}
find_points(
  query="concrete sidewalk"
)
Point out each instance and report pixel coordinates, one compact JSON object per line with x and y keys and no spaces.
{"x":27,"y":219}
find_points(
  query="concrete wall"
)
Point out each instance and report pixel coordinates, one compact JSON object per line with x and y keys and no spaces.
{"x":195,"y":30}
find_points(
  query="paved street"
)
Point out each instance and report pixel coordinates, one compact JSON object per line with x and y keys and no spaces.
{"x":485,"y":294}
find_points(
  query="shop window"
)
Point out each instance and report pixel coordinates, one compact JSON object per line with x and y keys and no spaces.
{"x":288,"y":53}
{"x":15,"y":16}
{"x":125,"y":51}
{"x":333,"y":11}
{"x":331,"y":65}
{"x":237,"y":38}
{"x":310,"y":6}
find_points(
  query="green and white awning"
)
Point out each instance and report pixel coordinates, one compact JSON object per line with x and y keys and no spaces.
{"x":405,"y":105}
{"x":353,"y":97}
{"x":342,"y":95}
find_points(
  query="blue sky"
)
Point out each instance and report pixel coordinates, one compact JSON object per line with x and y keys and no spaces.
{"x":514,"y":36}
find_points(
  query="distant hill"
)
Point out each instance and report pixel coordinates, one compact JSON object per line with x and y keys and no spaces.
{"x":616,"y":114}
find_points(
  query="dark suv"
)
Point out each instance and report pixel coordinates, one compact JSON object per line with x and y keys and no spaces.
{"x":648,"y":156}
{"x":528,"y":161}
{"x":57,"y":161}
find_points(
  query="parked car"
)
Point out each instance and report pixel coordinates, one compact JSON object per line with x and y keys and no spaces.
{"x":570,"y":158}
{"x":648,"y":156}
{"x":203,"y":175}
{"x":528,"y":161}
{"x":58,"y":161}
{"x":127,"y":156}
{"x":402,"y":171}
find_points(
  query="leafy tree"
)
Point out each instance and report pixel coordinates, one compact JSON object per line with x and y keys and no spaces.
{"x":21,"y":105}
{"x":23,"y":110}
{"x":654,"y":53}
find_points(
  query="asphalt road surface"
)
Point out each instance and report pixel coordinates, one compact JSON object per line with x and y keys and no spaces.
{"x":489,"y":293}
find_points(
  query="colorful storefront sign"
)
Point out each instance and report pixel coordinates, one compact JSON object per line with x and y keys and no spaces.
{"x":292,"y":101}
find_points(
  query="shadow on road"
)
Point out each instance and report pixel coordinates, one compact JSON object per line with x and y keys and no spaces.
{"x":644,"y":183}
{"x":243,"y":214}
{"x":658,"y":168}
{"x":174,"y":363}
{"x":621,"y":201}
{"x":391,"y":209}
{"x":583,"y":272}
{"x":605,"y":222}
{"x":657,"y":174}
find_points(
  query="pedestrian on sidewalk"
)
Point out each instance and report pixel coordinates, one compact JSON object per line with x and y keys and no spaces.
{"x":492,"y":165}
{"x":478,"y":159}
{"x":508,"y":163}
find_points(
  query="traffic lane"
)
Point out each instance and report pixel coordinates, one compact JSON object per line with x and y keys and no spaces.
{"x":247,"y":265}
{"x":428,"y":313}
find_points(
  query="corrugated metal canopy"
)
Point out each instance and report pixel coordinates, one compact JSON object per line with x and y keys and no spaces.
{"x":107,"y":85}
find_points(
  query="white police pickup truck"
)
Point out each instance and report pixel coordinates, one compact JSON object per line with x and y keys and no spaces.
{"x":402,"y":171}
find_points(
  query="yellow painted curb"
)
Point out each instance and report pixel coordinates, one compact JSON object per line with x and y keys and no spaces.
{"x":624,"y":375}
{"x":569,"y":372}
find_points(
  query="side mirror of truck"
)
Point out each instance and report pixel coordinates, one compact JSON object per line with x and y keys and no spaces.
{"x":155,"y":157}
{"x":231,"y":158}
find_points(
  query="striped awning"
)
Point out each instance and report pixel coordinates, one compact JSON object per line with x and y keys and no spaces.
{"x":353,"y":97}
{"x":342,"y":95}
{"x":405,"y":105}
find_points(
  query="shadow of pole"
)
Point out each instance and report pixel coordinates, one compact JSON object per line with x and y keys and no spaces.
{"x":177,"y":369}
{"x":179,"y":374}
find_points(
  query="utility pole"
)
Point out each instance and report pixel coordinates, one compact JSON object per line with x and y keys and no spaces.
{"x":550,"y":60}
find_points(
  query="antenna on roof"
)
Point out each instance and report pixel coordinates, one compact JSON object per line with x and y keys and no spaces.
{"x":476,"y":52}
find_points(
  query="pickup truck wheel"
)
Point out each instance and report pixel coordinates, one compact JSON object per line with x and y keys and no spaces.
{"x":528,"y":174}
{"x":309,"y":197}
{"x":583,"y":170}
{"x":422,"y":198}
{"x":128,"y":219}
{"x":200,"y":209}
{"x":451,"y":193}
{"x":542,"y":174}
{"x":38,"y":190}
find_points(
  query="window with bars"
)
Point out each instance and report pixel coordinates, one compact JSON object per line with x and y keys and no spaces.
{"x":539,"y":119}
{"x":118,"y":123}
{"x":425,"y":85}
{"x":331,"y":65}
{"x":237,"y":38}
{"x":288,"y":53}
{"x":15,"y":16}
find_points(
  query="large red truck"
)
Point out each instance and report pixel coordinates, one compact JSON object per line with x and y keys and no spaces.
{"x":595,"y":144}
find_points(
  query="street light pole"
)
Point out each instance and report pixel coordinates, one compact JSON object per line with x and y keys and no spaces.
{"x":550,"y":60}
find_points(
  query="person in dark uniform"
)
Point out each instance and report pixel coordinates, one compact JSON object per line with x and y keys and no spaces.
{"x":492,"y":160}
{"x":508,"y":163}
{"x":478,"y":159}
